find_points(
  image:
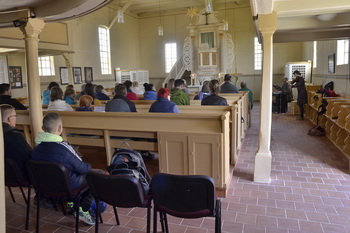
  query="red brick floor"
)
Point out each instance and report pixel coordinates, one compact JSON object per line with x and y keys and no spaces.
{"x":309,"y":191}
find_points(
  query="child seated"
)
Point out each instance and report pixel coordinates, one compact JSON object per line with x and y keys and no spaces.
{"x":85,"y":102}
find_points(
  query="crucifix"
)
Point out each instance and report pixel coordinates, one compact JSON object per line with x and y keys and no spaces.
{"x":206,"y":17}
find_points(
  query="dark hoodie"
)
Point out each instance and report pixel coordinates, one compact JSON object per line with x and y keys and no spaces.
{"x":16,"y":147}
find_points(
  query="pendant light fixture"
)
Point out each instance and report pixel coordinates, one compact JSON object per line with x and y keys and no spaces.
{"x":208,"y":6}
{"x":120,"y":14}
{"x":160,"y":27}
{"x":225,"y":20}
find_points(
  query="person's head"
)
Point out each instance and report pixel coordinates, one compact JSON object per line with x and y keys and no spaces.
{"x":128,"y":84}
{"x":170,"y":84}
{"x":56,"y":93}
{"x":52,"y":123}
{"x":120,"y":89}
{"x":163,"y":93}
{"x":285,"y":79}
{"x":179,"y":84}
{"x":8,"y":114}
{"x":82,"y":88}
{"x":227,"y":78}
{"x":69,"y":92}
{"x":5,"y":89}
{"x":51,"y":85}
{"x":85,"y":101}
{"x":89,"y":90}
{"x":243,"y":84}
{"x":214,"y":86}
{"x":205,"y":87}
{"x":70,"y":86}
{"x":148,"y":86}
{"x":296,"y":73}
{"x":99,"y":89}
{"x":135,"y":84}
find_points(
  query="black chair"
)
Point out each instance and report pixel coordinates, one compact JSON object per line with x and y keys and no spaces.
{"x":185,"y":196}
{"x":14,"y":178}
{"x":118,"y":191}
{"x":51,"y":179}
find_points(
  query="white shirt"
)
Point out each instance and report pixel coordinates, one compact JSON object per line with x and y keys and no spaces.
{"x":59,"y":105}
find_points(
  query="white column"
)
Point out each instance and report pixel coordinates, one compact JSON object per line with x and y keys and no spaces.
{"x":262,"y":171}
{"x":31,"y":31}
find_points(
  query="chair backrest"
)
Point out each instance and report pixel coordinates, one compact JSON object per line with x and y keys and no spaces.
{"x":13,"y":174}
{"x":49,"y":178}
{"x":116,"y":190}
{"x":184,"y":196}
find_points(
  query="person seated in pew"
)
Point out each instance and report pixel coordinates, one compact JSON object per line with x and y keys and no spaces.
{"x":56,"y":101}
{"x":204,"y":91}
{"x":85,"y":102}
{"x":120,"y":103}
{"x":99,"y":93}
{"x":46,"y":94}
{"x":69,"y":94}
{"x":136,"y":89}
{"x":51,"y":148}
{"x":227,"y":86}
{"x":163,"y":104}
{"x":130,"y":95}
{"x":250,"y":93}
{"x":90,"y":90}
{"x":178,"y":95}
{"x":214,"y":99}
{"x":15,"y":145}
{"x":5,"y":97}
{"x":150,"y":93}
{"x":70,"y":86}
{"x":77,"y":97}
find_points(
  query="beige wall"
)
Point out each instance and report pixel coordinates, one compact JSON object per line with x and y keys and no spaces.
{"x":320,"y":73}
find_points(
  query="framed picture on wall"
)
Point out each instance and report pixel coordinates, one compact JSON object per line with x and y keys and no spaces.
{"x":77,"y":75}
{"x":15,"y":77}
{"x":331,"y":63}
{"x":88,"y":74}
{"x":64,"y":75}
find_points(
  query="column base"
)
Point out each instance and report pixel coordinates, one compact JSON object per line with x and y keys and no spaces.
{"x":262,"y":170}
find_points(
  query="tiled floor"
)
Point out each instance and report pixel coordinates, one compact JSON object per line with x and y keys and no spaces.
{"x":309,"y":191}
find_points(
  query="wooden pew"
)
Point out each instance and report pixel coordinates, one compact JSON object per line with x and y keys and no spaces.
{"x":187,"y":143}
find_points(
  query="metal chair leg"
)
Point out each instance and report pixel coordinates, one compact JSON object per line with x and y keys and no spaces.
{"x":23,"y":195}
{"x":28,"y":208}
{"x":77,"y":204}
{"x":154,"y":220}
{"x":38,"y":197}
{"x":116,"y":215}
{"x":97,"y":213}
{"x":10,"y":190}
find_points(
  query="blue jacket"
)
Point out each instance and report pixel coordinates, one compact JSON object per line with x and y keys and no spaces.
{"x":150,"y":95}
{"x":45,"y":97}
{"x":70,"y":100}
{"x":101,"y":96}
{"x":164,"y":105}
{"x":62,"y":152}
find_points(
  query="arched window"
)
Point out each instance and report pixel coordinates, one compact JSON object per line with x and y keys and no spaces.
{"x":105,"y":51}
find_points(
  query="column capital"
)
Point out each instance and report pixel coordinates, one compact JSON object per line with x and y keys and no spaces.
{"x":267,"y":23}
{"x":33,"y":28}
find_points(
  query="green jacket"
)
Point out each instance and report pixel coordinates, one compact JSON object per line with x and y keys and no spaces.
{"x":179,"y":97}
{"x":250,"y":95}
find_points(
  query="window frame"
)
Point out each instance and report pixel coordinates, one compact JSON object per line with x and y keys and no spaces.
{"x":342,"y":52}
{"x":104,"y":50}
{"x":46,"y":66}
{"x":172,"y":59}
{"x":258,"y":54}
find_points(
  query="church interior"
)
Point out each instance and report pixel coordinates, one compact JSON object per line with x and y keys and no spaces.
{"x":273,"y":176}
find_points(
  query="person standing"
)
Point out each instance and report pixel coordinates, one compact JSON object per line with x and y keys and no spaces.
{"x":299,"y":83}
{"x":227,"y":86}
{"x":286,"y":88}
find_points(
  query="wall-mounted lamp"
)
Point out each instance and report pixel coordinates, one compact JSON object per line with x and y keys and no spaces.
{"x":18,"y":23}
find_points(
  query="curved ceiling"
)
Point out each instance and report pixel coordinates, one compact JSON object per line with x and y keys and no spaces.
{"x":48,"y":10}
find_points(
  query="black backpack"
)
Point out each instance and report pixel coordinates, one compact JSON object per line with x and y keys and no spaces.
{"x":130,"y":162}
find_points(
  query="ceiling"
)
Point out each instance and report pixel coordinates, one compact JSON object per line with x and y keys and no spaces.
{"x":294,"y":17}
